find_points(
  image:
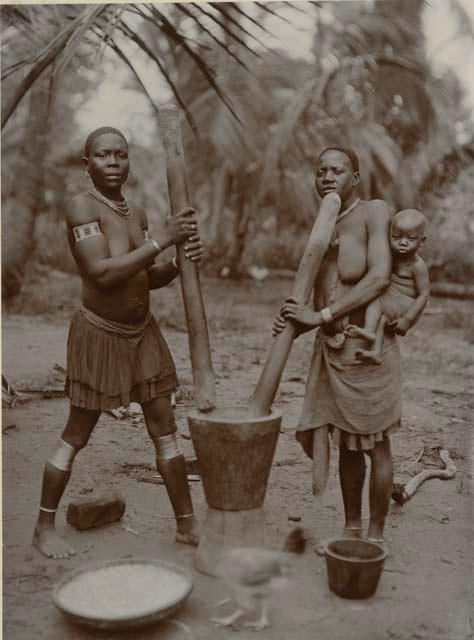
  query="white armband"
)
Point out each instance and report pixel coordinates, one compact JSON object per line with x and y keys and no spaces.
{"x":87,"y":231}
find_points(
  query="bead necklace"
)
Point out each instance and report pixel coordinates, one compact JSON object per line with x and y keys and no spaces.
{"x":123,"y":209}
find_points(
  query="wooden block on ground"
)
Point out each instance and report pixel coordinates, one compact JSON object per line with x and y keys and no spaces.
{"x":87,"y":513}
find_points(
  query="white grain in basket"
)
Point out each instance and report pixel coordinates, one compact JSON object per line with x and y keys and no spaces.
{"x":122,"y":591}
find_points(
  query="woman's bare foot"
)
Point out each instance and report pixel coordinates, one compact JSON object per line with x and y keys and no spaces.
{"x":47,"y":541}
{"x":371,"y":357}
{"x":353,"y":331}
{"x":187,"y":531}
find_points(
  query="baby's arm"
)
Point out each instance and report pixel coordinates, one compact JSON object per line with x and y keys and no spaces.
{"x":422,"y":285}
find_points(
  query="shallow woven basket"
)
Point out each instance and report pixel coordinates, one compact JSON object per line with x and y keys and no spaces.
{"x":75,"y":613}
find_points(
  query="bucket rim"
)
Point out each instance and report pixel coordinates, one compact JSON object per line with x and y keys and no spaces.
{"x":329,"y":552}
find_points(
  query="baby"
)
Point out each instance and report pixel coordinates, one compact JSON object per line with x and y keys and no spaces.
{"x":403,"y":302}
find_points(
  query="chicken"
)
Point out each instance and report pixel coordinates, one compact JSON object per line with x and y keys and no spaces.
{"x":252,"y":575}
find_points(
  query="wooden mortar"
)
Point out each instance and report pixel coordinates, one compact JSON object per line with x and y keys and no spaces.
{"x":234,"y":446}
{"x":234,"y":452}
{"x":235,"y":455}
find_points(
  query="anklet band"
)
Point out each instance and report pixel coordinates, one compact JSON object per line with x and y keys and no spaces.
{"x":188,"y":515}
{"x":48,"y":510}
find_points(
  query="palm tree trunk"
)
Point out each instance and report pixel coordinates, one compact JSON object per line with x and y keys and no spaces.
{"x":246,"y":207}
{"x":219,"y":198}
{"x":20,"y":212}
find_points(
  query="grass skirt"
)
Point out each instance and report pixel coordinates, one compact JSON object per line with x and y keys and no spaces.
{"x":110,"y":364}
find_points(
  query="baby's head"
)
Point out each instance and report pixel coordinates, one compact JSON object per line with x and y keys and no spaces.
{"x":407,"y":232}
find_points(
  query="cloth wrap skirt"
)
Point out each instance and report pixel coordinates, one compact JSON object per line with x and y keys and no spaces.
{"x":359,"y":402}
{"x":110,"y":364}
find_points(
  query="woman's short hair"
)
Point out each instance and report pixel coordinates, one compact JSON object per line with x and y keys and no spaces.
{"x":100,"y":132}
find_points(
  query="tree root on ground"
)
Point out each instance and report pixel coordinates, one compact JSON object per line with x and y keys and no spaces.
{"x":403,"y":492}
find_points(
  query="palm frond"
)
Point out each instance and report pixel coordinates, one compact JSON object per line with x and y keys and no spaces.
{"x":75,"y":40}
{"x":12,"y":13}
{"x":378,"y":30}
{"x":48,"y":55}
{"x":222,"y":8}
{"x":108,"y":33}
{"x":171,"y":32}
{"x":223,"y":141}
{"x":318,"y":5}
{"x":414,"y":67}
{"x":238,"y":9}
{"x":295,"y":6}
{"x":208,"y":73}
{"x":110,"y":42}
{"x":225,"y":28}
{"x":151,"y":19}
{"x":132,"y":35}
{"x":382,"y":147}
{"x":16,"y":66}
{"x":239,"y":145}
{"x":59,"y":40}
{"x":312,"y":91}
{"x":183,"y":8}
{"x":266,"y":8}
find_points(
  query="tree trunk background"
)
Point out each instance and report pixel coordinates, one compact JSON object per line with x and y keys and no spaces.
{"x":20,"y":211}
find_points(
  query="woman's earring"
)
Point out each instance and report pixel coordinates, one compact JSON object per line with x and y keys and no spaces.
{"x":87,"y":173}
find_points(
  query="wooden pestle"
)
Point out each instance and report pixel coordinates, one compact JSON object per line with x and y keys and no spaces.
{"x":316,"y":247}
{"x":199,"y":346}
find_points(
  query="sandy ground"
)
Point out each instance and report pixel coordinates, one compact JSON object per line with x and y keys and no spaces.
{"x":425,"y":588}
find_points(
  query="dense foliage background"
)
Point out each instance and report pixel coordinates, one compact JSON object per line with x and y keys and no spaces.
{"x":254,"y":118}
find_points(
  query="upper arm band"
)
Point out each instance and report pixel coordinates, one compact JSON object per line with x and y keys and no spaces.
{"x":86,"y":231}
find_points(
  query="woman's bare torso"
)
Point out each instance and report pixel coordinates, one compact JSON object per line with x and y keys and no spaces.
{"x":129,"y":301}
{"x":347,"y":261}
